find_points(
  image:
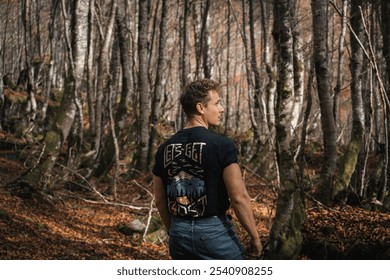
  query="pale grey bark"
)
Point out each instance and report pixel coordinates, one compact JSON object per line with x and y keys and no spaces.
{"x":66,"y":113}
{"x":75,"y":35}
{"x":299,"y":69}
{"x":53,"y":32}
{"x":266,"y":10}
{"x":285,"y":78}
{"x":29,"y":54}
{"x":258,"y":110}
{"x":78,"y":45}
{"x":91,"y":93}
{"x":270,"y":164}
{"x":104,"y":79}
{"x":340,"y":66}
{"x":348,"y":162}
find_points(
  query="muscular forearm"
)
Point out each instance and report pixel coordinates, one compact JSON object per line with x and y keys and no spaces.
{"x":244,"y":215}
{"x":240,"y":201}
{"x":243,"y":210}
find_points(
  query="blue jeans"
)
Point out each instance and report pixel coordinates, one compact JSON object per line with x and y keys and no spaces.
{"x":204,"y":238}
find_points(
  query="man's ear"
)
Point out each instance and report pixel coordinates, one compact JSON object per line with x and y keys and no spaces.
{"x":199,"y":108}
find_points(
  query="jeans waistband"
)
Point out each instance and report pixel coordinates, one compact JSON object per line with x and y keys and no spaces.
{"x":200,"y":219}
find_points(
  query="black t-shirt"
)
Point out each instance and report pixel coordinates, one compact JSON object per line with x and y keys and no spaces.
{"x":190,"y":165}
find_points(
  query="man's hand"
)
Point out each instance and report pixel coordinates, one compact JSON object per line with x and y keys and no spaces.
{"x":255,"y":247}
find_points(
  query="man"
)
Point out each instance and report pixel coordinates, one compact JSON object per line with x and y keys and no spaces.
{"x":196,"y":179}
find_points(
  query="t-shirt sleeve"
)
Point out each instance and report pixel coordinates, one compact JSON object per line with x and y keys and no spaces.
{"x":227,"y":152}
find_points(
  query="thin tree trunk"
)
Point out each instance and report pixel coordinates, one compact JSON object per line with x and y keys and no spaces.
{"x":50,"y":72}
{"x":350,"y":157}
{"x":153,"y":6}
{"x":102,"y":82}
{"x":185,"y":65}
{"x":184,"y":41}
{"x":258,"y":112}
{"x":28,"y":52}
{"x":143,"y":90}
{"x":299,"y":69}
{"x":305,"y":124}
{"x":228,"y":39}
{"x":251,"y":99}
{"x":159,"y":84}
{"x":385,"y":95}
{"x":197,"y":26}
{"x":206,"y":41}
{"x":324,"y":88}
{"x":270,"y":69}
{"x":340,"y":66}
{"x":1,"y":87}
{"x":90,"y":71}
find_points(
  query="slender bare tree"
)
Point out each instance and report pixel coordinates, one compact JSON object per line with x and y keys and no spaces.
{"x":299,"y":66}
{"x":141,"y":157}
{"x":29,"y":68}
{"x":1,"y":86}
{"x":348,"y":161}
{"x":159,"y":84}
{"x":258,"y":111}
{"x":253,"y":113}
{"x":50,"y":72}
{"x":340,"y":66}
{"x":90,"y":71}
{"x":227,"y":98}
{"x":385,"y":96}
{"x":103,"y":82}
{"x":324,"y":89}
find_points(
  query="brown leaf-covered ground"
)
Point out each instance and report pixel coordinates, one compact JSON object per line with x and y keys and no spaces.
{"x":74,"y":222}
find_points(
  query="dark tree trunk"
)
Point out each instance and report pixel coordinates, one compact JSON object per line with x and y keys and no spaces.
{"x":159,"y":85}
{"x":348,"y":161}
{"x":324,"y":89}
{"x":384,"y":183}
{"x":141,"y":157}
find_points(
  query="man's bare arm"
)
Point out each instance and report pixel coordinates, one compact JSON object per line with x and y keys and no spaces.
{"x":161,"y":201}
{"x":240,"y":202}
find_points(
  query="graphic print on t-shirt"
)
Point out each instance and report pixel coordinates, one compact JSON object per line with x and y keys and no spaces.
{"x":186,"y":188}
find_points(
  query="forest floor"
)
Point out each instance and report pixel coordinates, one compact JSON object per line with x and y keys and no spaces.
{"x":78,"y":222}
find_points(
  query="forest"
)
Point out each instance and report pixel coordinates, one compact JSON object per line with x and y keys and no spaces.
{"x":90,"y":89}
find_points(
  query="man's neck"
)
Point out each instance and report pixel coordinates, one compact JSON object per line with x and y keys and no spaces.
{"x":196,"y":121}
